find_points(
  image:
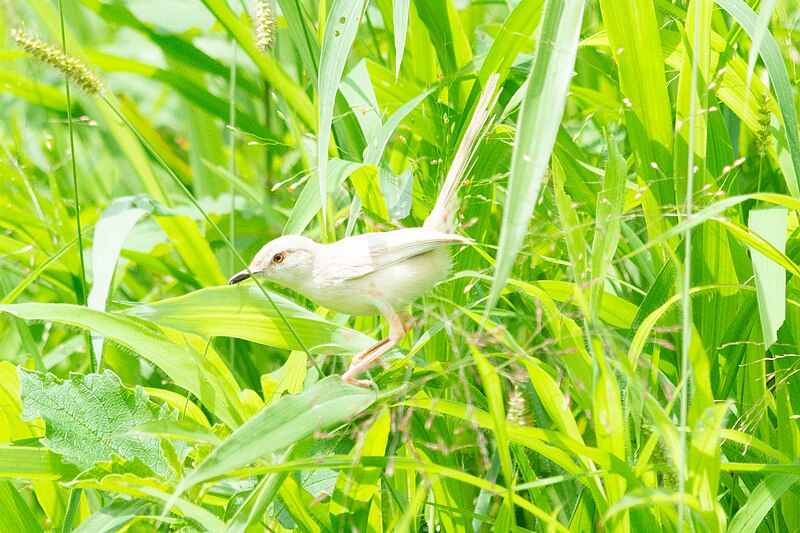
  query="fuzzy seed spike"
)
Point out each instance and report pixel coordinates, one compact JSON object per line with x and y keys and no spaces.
{"x":72,"y":69}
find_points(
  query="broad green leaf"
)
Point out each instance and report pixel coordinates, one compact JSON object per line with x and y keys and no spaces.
{"x":537,"y":127}
{"x":182,"y":358}
{"x":244,"y":312}
{"x":86,"y":418}
{"x":770,"y":277}
{"x":286,"y":421}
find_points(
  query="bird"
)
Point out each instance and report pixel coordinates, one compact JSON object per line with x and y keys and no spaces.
{"x":379,"y":273}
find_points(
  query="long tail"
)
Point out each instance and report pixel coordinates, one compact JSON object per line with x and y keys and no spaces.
{"x":443,"y":214}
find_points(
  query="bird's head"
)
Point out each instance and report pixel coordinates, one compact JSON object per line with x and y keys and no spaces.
{"x":285,"y":260}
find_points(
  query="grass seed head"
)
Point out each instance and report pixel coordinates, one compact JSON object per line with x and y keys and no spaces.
{"x":73,"y":69}
{"x":263,"y":24}
{"x":764,"y":133}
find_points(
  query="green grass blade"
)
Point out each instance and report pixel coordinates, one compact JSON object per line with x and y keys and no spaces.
{"x":537,"y":127}
{"x":400,"y":18}
{"x":770,"y":277}
{"x":763,"y":499}
{"x":288,"y":420}
{"x":184,"y":361}
{"x":340,"y":33}
{"x":244,"y":312}
{"x":610,"y":204}
{"x":17,"y":516}
{"x":765,"y":11}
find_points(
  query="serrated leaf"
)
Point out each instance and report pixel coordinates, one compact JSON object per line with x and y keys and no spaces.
{"x":86,"y":418}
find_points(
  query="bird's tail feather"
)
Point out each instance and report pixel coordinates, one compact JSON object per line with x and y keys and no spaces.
{"x":443,"y":214}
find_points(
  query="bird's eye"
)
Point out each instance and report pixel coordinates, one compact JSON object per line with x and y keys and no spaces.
{"x":278,"y":258}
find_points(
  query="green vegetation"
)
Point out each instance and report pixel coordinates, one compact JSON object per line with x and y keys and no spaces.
{"x":616,"y":352}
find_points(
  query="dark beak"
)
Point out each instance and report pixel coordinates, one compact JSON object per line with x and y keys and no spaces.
{"x":241,"y":276}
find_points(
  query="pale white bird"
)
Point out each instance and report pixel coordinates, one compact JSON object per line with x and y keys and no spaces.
{"x":378,"y":273}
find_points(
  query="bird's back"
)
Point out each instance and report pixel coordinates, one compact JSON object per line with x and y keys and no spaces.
{"x":364,"y":274}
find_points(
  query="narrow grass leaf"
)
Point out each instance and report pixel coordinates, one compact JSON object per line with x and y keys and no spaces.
{"x":35,"y":463}
{"x":400,"y":18}
{"x":770,"y":276}
{"x":537,"y":127}
{"x":245,"y":313}
{"x":771,"y":55}
{"x":494,"y":395}
{"x":114,"y":516}
{"x":610,"y":204}
{"x":17,"y":516}
{"x":308,"y":203}
{"x":515,"y":35}
{"x":341,"y":29}
{"x":356,"y":488}
{"x":329,"y":402}
{"x":190,"y":366}
{"x":110,"y":233}
{"x":761,"y":501}
{"x":765,"y":11}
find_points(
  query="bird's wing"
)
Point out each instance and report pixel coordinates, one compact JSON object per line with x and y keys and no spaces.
{"x":358,"y":256}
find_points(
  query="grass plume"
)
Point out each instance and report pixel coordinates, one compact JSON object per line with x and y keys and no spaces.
{"x":263,"y":24}
{"x":73,"y":69}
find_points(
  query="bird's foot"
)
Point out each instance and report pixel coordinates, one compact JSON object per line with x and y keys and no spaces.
{"x":360,"y":382}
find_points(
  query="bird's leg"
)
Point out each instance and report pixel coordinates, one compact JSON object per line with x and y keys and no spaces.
{"x":362,"y":354}
{"x":397,"y":330}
